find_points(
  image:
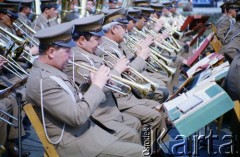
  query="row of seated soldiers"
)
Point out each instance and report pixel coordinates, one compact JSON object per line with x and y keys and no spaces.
{"x":228,"y":32}
{"x":83,"y":117}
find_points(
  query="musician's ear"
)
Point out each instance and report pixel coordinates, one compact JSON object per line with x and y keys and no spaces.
{"x":81,"y":40}
{"x":50,"y":52}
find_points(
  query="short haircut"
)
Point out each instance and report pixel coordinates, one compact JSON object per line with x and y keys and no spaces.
{"x":76,"y":35}
{"x":43,"y":47}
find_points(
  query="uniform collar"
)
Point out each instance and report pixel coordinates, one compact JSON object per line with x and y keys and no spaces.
{"x":50,"y":69}
{"x":107,"y":40}
{"x":79,"y":51}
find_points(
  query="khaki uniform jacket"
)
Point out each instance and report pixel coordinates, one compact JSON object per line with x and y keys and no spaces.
{"x":228,"y":37}
{"x":41,"y":22}
{"x":223,"y":27}
{"x":9,"y":29}
{"x":125,"y":102}
{"x":232,"y":80}
{"x":231,"y":49}
{"x":156,"y":77}
{"x":24,"y":19}
{"x":107,"y":110}
{"x":81,"y":136}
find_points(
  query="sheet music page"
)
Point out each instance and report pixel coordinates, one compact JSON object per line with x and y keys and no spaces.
{"x":173,"y":103}
{"x":203,"y":61}
{"x":199,"y":91}
{"x":186,"y":105}
{"x":216,"y":74}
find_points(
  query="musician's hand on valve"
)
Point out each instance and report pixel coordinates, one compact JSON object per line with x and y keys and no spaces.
{"x":101,"y":77}
{"x":148,"y":40}
{"x":159,"y":38}
{"x":158,"y":25}
{"x":165,"y":35}
{"x":33,"y":50}
{"x":122,"y":65}
{"x":2,"y":61}
{"x":144,"y":53}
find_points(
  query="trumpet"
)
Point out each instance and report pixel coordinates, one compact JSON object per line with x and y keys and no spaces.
{"x":155,"y":56}
{"x":154,"y":85}
{"x":168,"y":27}
{"x":155,"y":42}
{"x":145,"y":89}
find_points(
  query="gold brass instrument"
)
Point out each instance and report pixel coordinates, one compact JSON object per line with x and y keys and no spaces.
{"x":131,"y":48}
{"x":99,"y":6}
{"x":65,"y":8}
{"x":18,"y":41}
{"x":83,"y":8}
{"x":154,"y":85}
{"x":145,"y":89}
{"x":168,"y":26}
{"x":14,"y":67}
{"x":158,"y":59}
{"x":166,"y":60}
{"x":162,"y":46}
{"x":163,"y":40}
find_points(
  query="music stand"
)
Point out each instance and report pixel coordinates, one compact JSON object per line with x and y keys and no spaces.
{"x":200,"y":49}
{"x":7,"y":92}
{"x":198,"y":19}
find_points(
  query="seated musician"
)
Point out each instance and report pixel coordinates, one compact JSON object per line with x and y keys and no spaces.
{"x":8,"y":137}
{"x":86,"y":34}
{"x":232,"y":86}
{"x":49,"y":11}
{"x":25,"y":7}
{"x":231,"y":48}
{"x":66,"y":112}
{"x":114,"y":33}
{"x":228,"y":22}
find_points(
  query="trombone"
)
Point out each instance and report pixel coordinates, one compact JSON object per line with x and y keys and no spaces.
{"x":145,"y":89}
{"x":7,"y":121}
{"x":18,"y":41}
{"x":154,"y":85}
{"x":26,"y":34}
{"x":14,"y":67}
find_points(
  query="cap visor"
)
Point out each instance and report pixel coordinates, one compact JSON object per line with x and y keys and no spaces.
{"x":69,"y":44}
{"x":99,"y":33}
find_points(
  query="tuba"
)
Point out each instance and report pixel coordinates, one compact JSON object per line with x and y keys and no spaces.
{"x":99,"y":6}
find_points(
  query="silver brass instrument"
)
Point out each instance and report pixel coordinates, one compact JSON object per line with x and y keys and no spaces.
{"x":145,"y":89}
{"x":7,"y":121}
{"x":27,"y":35}
{"x":19,"y":41}
{"x":154,"y":85}
{"x":158,"y":59}
{"x":14,"y":67}
{"x":155,"y":42}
